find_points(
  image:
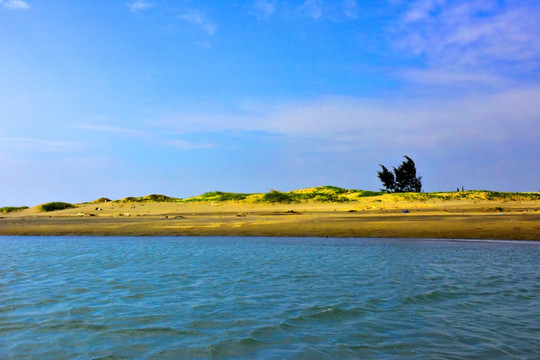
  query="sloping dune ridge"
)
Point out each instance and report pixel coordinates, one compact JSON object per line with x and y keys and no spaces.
{"x":324,"y":211}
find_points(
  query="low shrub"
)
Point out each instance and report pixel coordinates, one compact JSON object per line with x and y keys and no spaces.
{"x":334,"y":189}
{"x":8,"y":209}
{"x":511,"y":196}
{"x":367,"y":193}
{"x":275,"y":196}
{"x":54,"y":206}
{"x":223,"y":196}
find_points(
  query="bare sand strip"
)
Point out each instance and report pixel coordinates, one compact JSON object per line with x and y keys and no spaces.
{"x":515,"y":226}
{"x":379,"y":216}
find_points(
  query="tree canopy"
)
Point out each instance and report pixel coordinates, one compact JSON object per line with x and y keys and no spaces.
{"x":403,"y":178}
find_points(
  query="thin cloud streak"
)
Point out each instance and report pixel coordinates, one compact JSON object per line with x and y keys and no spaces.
{"x":350,"y":9}
{"x":473,"y":33}
{"x":41,"y":145}
{"x":511,"y":115}
{"x":15,"y":5}
{"x":312,"y":8}
{"x":263,"y":8}
{"x":445,"y":77}
{"x":188,"y":145}
{"x":139,"y":5}
{"x":196,"y":17}
{"x":111,"y":129}
{"x":421,"y":10}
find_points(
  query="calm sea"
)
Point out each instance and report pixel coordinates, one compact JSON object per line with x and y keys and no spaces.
{"x":267,"y":298}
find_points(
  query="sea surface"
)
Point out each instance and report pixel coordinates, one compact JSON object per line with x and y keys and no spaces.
{"x":267,"y":298}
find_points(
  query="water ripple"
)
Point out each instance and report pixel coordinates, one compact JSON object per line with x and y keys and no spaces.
{"x":198,"y":298}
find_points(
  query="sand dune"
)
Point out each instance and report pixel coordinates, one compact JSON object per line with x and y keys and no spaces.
{"x":390,"y":215}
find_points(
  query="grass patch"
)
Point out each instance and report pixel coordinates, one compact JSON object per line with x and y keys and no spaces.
{"x":218,"y":196}
{"x":334,"y":189}
{"x":470,"y":195}
{"x":101,"y":200}
{"x":322,"y":193}
{"x":54,"y":206}
{"x":275,"y":196}
{"x":223,"y":196}
{"x":322,"y":197}
{"x":367,"y":193}
{"x":8,"y":209}
{"x":511,"y":196}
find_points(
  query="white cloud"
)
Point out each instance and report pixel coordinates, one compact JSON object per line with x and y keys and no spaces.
{"x":263,"y":8}
{"x":350,"y":9}
{"x":15,"y":4}
{"x":197,"y":18}
{"x":139,"y":5}
{"x":474,"y":33}
{"x":508,"y":116}
{"x":312,"y":8}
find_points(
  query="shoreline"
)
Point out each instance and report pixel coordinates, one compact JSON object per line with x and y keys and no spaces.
{"x":339,"y":225}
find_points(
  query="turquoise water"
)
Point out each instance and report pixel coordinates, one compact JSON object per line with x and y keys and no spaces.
{"x":267,"y":298}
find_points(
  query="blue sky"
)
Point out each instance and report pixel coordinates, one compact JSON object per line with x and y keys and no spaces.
{"x":127,"y":98}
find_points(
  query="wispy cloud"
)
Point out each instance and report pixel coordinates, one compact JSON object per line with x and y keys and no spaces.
{"x":139,"y":5}
{"x":335,"y":11}
{"x":188,"y":145}
{"x":510,"y":115}
{"x":350,"y":9}
{"x":473,"y":33}
{"x":312,"y":8}
{"x":154,"y":135}
{"x":41,"y":145}
{"x":448,"y":77}
{"x":421,"y":10}
{"x":263,"y":8}
{"x":15,"y":4}
{"x":112,"y":130}
{"x":196,"y":17}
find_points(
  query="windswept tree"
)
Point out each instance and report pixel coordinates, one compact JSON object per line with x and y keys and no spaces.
{"x":403,"y":179}
{"x":387,"y":179}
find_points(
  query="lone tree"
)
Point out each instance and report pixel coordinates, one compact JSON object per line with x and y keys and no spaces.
{"x":403,"y":179}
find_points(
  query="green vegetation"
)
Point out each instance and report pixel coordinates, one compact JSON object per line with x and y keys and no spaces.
{"x":326,"y":194}
{"x":101,"y":200}
{"x":511,"y":196}
{"x":218,"y":196}
{"x":334,"y":189}
{"x":471,"y":194}
{"x":53,"y":206}
{"x":275,"y":196}
{"x":322,"y":193}
{"x":367,"y":193}
{"x":8,"y":209}
{"x":424,"y":196}
{"x":334,"y":194}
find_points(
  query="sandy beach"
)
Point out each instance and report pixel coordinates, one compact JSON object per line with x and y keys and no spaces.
{"x":379,"y":216}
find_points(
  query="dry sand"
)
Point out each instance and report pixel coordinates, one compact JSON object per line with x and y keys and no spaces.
{"x":379,"y":216}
